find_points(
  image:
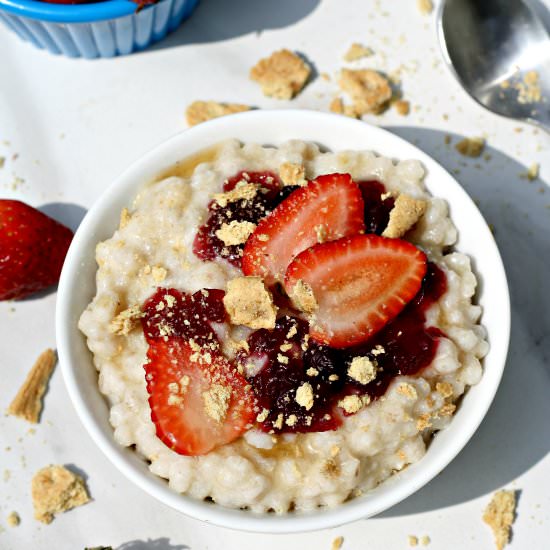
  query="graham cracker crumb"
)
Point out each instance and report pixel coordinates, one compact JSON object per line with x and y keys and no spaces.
{"x":242,"y":191}
{"x":532,"y":172}
{"x":249,"y":303}
{"x":291,"y":420}
{"x":216,"y":402}
{"x":471,"y":147}
{"x":369,"y":90}
{"x":351,"y":403}
{"x":125,"y":218}
{"x":357,"y":51}
{"x":292,"y":174}
{"x":159,"y":274}
{"x":27,"y":404}
{"x":126,"y":321}
{"x":362,"y":369}
{"x":278,"y":424}
{"x":402,"y":107}
{"x":404,"y":214}
{"x":444,"y":388}
{"x":337,"y":106}
{"x":499,"y":516}
{"x":408,"y":390}
{"x":413,"y":540}
{"x":201,"y":111}
{"x":55,"y":489}
{"x":425,"y":540}
{"x":423,"y":422}
{"x":234,"y":232}
{"x":281,"y":75}
{"x":425,"y":7}
{"x":312,"y":371}
{"x":447,"y":410}
{"x":529,"y":90}
{"x":263,"y":415}
{"x":331,"y":468}
{"x":337,"y":543}
{"x":304,"y":396}
{"x":13,"y":519}
{"x":302,"y":297}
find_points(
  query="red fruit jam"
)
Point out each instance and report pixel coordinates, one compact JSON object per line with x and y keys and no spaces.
{"x":171,"y":313}
{"x":207,"y":246}
{"x":409,"y":346}
{"x":377,"y":209}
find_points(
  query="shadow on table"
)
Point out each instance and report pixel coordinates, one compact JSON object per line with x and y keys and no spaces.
{"x":217,"y":20}
{"x":515,"y":434}
{"x":156,"y":544}
{"x":68,"y":214}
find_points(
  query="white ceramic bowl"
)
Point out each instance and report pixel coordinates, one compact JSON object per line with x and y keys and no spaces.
{"x":77,"y":287}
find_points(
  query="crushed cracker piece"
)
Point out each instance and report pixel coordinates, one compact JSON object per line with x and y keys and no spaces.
{"x":413,"y":540}
{"x":499,"y":516}
{"x":126,"y":321}
{"x":278,"y":424}
{"x":242,"y":191}
{"x":292,"y":174}
{"x":281,"y":75}
{"x":304,"y":396}
{"x":27,"y":404}
{"x":368,"y":89}
{"x":351,"y":403}
{"x":13,"y":519}
{"x":235,"y":232}
{"x":262,"y":415}
{"x":402,"y":107}
{"x":357,"y":51}
{"x":404,"y":214}
{"x":201,"y":111}
{"x":529,"y":90}
{"x":291,"y":420}
{"x":159,"y":273}
{"x":249,"y":303}
{"x":425,"y":540}
{"x":125,"y":218}
{"x":362,"y":369}
{"x":423,"y":422}
{"x":445,"y":389}
{"x":216,"y":401}
{"x":425,"y":7}
{"x":337,"y":543}
{"x":302,"y":297}
{"x":532,"y":172}
{"x":408,"y":390}
{"x":471,"y":147}
{"x":56,"y":489}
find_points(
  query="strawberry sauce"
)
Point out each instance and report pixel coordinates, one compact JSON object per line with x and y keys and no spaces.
{"x":207,"y":246}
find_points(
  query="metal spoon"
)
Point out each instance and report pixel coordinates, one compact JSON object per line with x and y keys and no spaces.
{"x":499,"y":51}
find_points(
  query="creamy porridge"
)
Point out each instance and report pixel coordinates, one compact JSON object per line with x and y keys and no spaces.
{"x":327,"y":437}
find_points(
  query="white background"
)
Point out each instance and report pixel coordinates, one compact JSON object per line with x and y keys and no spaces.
{"x":76,"y":124}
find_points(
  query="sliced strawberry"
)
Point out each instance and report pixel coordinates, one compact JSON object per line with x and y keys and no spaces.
{"x":360,"y":283}
{"x":326,"y":209}
{"x":181,"y":382}
{"x":32,"y":249}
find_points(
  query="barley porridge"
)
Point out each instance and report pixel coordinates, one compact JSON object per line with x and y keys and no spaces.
{"x":270,"y":390}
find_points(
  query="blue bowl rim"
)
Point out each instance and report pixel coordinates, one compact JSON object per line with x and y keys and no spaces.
{"x":70,"y":13}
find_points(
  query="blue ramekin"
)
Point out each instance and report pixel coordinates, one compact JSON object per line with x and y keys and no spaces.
{"x":102,"y":29}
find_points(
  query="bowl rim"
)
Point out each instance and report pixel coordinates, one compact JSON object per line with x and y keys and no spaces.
{"x":71,"y":13}
{"x":398,"y":486}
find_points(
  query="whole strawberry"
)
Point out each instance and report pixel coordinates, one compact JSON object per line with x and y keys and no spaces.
{"x":32,"y":249}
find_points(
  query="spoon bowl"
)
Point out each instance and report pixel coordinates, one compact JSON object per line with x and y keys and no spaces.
{"x":500,"y":53}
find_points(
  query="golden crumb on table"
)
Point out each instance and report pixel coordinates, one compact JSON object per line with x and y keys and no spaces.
{"x":292,"y":174}
{"x":55,"y":489}
{"x":404,"y":214}
{"x":357,"y":51}
{"x":13,"y":519}
{"x":126,"y":321}
{"x":302,"y":297}
{"x":235,"y":232}
{"x":425,"y":7}
{"x":413,"y":540}
{"x":249,"y":303}
{"x":369,"y":90}
{"x":27,"y":404}
{"x":337,"y":543}
{"x":201,"y":111}
{"x":402,"y":107}
{"x":499,"y":516}
{"x":532,"y":172}
{"x":281,"y":75}
{"x":425,"y":540}
{"x":470,"y":147}
{"x":337,"y":106}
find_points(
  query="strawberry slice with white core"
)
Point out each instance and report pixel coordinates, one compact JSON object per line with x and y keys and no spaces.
{"x":360,"y":283}
{"x":327,"y":208}
{"x":198,"y":400}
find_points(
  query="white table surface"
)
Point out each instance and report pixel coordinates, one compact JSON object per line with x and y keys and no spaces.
{"x":76,"y":124}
